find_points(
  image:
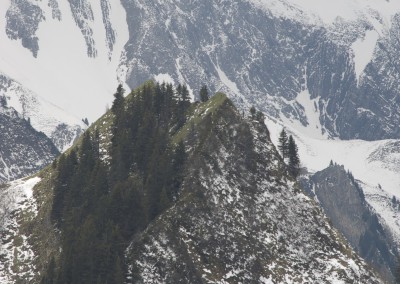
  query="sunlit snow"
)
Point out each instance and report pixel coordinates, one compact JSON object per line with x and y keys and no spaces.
{"x":327,"y":11}
{"x":164,"y":78}
{"x":376,"y":164}
{"x":363,"y":49}
{"x":63,"y":73}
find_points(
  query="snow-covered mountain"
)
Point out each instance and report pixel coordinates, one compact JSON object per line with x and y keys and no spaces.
{"x":65,"y":51}
{"x":62,"y":128}
{"x":237,"y":216}
{"x":267,"y":53}
{"x":343,"y":201}
{"x":262,"y":52}
{"x":323,"y":69}
{"x":23,"y":151}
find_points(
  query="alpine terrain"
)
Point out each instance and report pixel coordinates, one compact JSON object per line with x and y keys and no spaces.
{"x":223,"y":208}
{"x":23,"y":150}
{"x":183,"y":186}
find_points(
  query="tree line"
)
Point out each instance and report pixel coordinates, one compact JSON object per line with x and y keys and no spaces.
{"x":97,"y":206}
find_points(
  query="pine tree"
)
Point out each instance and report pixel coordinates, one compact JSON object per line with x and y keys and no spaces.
{"x":204,"y":94}
{"x":118,"y":276}
{"x":283,"y":143}
{"x":118,"y":102}
{"x":185,"y":95}
{"x":294,"y":160}
{"x":183,"y":104}
{"x":253,"y":112}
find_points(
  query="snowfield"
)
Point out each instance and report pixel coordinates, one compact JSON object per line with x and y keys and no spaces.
{"x":63,"y":73}
{"x":376,"y":164}
{"x":326,"y":12}
{"x":14,"y":200}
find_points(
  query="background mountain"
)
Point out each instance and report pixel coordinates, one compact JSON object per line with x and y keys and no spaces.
{"x":279,"y":55}
{"x":23,"y":150}
{"x":62,"y":128}
{"x":323,"y":72}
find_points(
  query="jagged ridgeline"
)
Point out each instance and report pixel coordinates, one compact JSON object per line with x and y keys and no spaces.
{"x":161,"y":190}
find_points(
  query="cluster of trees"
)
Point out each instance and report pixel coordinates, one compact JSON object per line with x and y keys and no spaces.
{"x":289,"y":151}
{"x":257,"y":115}
{"x":99,"y":206}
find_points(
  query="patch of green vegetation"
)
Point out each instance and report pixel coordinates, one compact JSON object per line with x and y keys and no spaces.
{"x":18,"y":241}
{"x":197,"y":113}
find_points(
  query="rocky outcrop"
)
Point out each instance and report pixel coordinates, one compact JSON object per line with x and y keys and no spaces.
{"x":240,"y":218}
{"x":343,"y":201}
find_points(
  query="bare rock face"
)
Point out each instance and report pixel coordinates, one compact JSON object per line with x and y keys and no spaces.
{"x":260,"y":58}
{"x":252,"y":53}
{"x":23,"y":19}
{"x":343,"y":201}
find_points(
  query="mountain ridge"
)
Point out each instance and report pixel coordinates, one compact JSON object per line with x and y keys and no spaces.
{"x":212,"y":189}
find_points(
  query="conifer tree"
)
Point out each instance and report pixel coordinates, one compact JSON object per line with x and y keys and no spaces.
{"x":183,"y":104}
{"x":283,"y":143}
{"x":118,"y":102}
{"x":253,"y":112}
{"x":185,"y":95}
{"x":204,"y":94}
{"x":294,"y":160}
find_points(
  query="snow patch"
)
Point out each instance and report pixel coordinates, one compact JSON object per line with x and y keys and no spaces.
{"x":374,"y":163}
{"x":311,"y":111}
{"x":226,"y":81}
{"x":363,"y":49}
{"x":164,"y":78}
{"x":14,"y":199}
{"x":62,"y":72}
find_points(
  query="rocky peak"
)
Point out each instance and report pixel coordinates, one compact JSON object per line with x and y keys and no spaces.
{"x":240,"y":217}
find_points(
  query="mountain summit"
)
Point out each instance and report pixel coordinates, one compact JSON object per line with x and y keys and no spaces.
{"x":198,"y":196}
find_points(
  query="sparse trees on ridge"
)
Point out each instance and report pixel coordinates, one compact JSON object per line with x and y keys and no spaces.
{"x":283,"y":143}
{"x":294,"y":160}
{"x":289,"y":150}
{"x":204,"y":94}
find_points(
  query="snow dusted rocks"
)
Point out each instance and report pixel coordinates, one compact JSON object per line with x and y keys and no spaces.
{"x":259,"y":52}
{"x":62,"y":128}
{"x":345,"y":204}
{"x":267,"y":52}
{"x":17,"y":205}
{"x":241,"y":219}
{"x":23,"y":150}
{"x":23,"y":19}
